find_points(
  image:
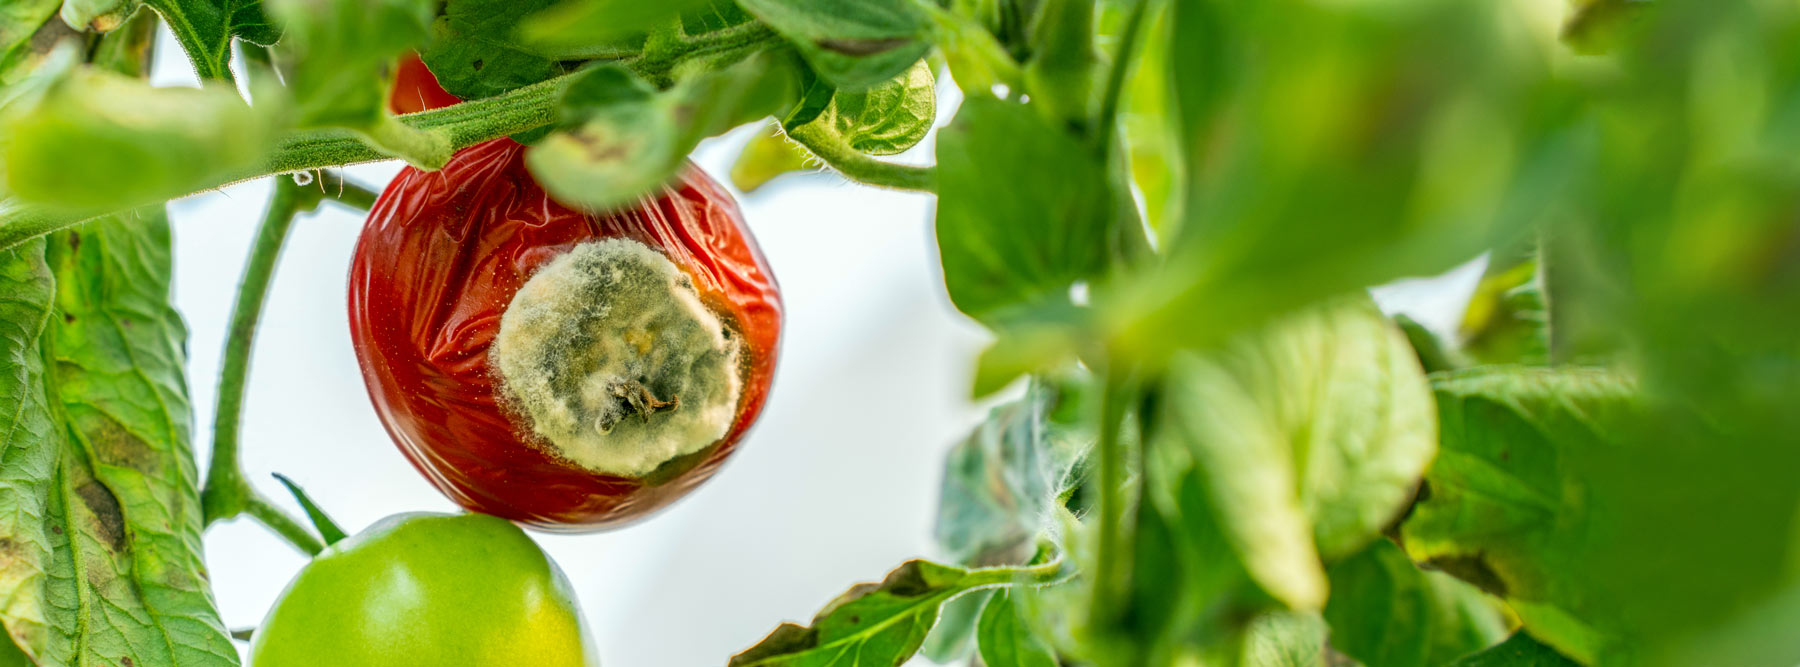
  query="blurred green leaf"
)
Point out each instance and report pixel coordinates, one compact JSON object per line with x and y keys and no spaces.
{"x":1307,"y":437}
{"x":768,"y":156}
{"x":91,"y":140}
{"x":1511,"y":505}
{"x":1434,"y":355}
{"x":876,"y":624}
{"x":1519,"y":650}
{"x":344,"y":53}
{"x":885,"y":119}
{"x":1447,"y":135}
{"x":477,"y":48}
{"x":1386,"y":611}
{"x":1614,"y":521}
{"x":1005,"y":641}
{"x":98,"y":15}
{"x":622,"y":138}
{"x":854,"y":44}
{"x":98,"y":484}
{"x":1274,"y":639}
{"x":25,"y":28}
{"x":1507,"y":320}
{"x":1001,"y":483}
{"x":1597,"y":26}
{"x":1060,"y":73}
{"x":1011,"y":233}
{"x":578,"y":27}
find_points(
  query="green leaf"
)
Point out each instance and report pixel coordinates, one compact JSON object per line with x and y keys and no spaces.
{"x":886,"y":119}
{"x":880,"y":624}
{"x":1005,"y":640}
{"x":329,"y":531}
{"x":768,"y":156}
{"x":344,"y":53}
{"x":1519,"y":650}
{"x":1306,"y":437}
{"x":99,"y":496}
{"x":475,"y":50}
{"x":205,"y":29}
{"x":622,"y":138}
{"x":1386,"y":611}
{"x":1010,"y":232}
{"x":1001,"y":484}
{"x":91,"y":140}
{"x":953,"y":638}
{"x":854,"y":44}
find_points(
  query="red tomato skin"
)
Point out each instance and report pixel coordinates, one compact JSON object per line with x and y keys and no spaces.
{"x":416,"y":88}
{"x":436,"y":266}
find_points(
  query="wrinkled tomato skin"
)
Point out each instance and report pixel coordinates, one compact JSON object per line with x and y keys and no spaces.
{"x":439,"y":261}
{"x":416,"y":88}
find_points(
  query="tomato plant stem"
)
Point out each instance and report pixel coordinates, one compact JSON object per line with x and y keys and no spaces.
{"x":862,"y":168}
{"x":1109,"y":565}
{"x":226,"y":493}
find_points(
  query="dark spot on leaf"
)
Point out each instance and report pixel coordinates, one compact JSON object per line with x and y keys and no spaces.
{"x":1471,"y":568}
{"x":74,"y":240}
{"x":854,"y":619}
{"x":56,"y":529}
{"x":478,"y":64}
{"x":863,"y":47}
{"x":1506,"y":455}
{"x":69,"y":318}
{"x":906,"y":581}
{"x":116,"y":446}
{"x":126,"y":661}
{"x":125,"y":322}
{"x":786,"y":639}
{"x":109,"y":519}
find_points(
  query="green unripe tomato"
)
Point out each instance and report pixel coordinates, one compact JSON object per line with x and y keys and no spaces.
{"x":422,"y":590}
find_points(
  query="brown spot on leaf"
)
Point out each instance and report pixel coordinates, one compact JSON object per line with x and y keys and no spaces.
{"x":863,"y":47}
{"x":478,"y":64}
{"x":109,"y":519}
{"x":115,"y":445}
{"x":69,"y":318}
{"x":74,"y":240}
{"x":1472,"y":568}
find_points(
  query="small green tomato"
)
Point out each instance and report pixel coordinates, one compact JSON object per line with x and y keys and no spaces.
{"x":423,"y":590}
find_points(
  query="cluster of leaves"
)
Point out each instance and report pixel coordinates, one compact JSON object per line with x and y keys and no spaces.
{"x":1166,"y":211}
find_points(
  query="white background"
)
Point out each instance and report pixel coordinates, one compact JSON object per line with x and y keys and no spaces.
{"x":836,"y":484}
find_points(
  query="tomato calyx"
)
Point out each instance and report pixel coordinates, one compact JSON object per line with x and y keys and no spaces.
{"x":611,"y":360}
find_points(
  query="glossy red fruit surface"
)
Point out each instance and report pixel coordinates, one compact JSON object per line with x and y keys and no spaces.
{"x":435,"y":271}
{"x":416,"y":88}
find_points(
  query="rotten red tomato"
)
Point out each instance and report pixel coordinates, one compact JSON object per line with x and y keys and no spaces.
{"x":566,"y":370}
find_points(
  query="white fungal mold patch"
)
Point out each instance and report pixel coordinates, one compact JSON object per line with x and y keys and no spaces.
{"x":611,"y":358}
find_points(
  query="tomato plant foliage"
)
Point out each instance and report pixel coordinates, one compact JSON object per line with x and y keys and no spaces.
{"x":1167,"y":212}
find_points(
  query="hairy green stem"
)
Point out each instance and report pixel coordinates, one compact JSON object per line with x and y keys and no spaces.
{"x":860,"y":167}
{"x":286,"y":526}
{"x":226,"y":493}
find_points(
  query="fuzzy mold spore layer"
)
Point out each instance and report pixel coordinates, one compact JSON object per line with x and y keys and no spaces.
{"x":613,"y":361}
